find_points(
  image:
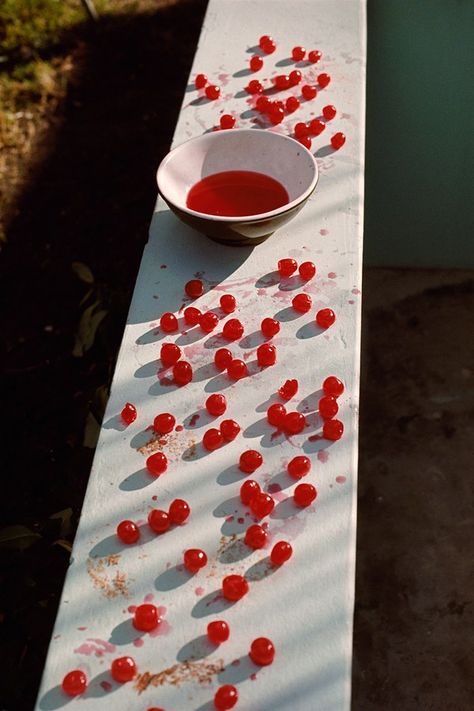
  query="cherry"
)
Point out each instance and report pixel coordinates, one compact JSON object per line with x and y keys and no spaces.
{"x":237,"y":369}
{"x":128,"y":532}
{"x":179,"y":511}
{"x":305,"y":141}
{"x":333,"y":386}
{"x":158,"y":520}
{"x":182,"y":372}
{"x":329,"y":112}
{"x":281,"y":552}
{"x":218,"y":631}
{"x":213,"y":92}
{"x":307,"y":270}
{"x":266,"y":354}
{"x":222,"y":358}
{"x":295,"y":78}
{"x":157,"y":463}
{"x":282,"y":81}
{"x":254,"y":87}
{"x":194,"y":288}
{"x":292,"y":104}
{"x":208,"y":321}
{"x":169,"y":354}
{"x":304,"y":495}
{"x":250,"y":461}
{"x":233,"y":329}
{"x":123,"y":669}
{"x":314,"y":56}
{"x":338,"y":140}
{"x":164,"y":423}
{"x":302,"y":303}
{"x":276,"y":114}
{"x":263,"y":103}
{"x":212,"y":439}
{"x":234,"y":587}
{"x":255,"y":537}
{"x":328,"y":407}
{"x":287,"y":267}
{"x":309,"y":92}
{"x":264,"y":39}
{"x":298,"y":467}
{"x":216,"y":405}
{"x":262,"y":505}
{"x":146,"y":618}
{"x":262,"y":651}
{"x":248,"y":490}
{"x":229,"y":430}
{"x":191,"y":315}
{"x":325,"y":318}
{"x":168,"y":322}
{"x":323,"y":80}
{"x":276,"y":414}
{"x":298,"y":53}
{"x":226,"y":697}
{"x":301,"y":129}
{"x":129,"y":413}
{"x":227,"y":121}
{"x":267,"y":44}
{"x":194,"y":559}
{"x":74,"y":683}
{"x":256,"y":63}
{"x":288,"y":389}
{"x":294,"y":423}
{"x":270,"y":327}
{"x":200,"y":81}
{"x":228,"y":303}
{"x":316,"y":126}
{"x":277,"y":104}
{"x":333,"y":430}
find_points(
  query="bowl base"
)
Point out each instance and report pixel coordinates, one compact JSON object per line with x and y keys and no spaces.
{"x":241,"y":241}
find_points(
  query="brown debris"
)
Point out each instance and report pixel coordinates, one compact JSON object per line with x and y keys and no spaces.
{"x":200,"y":671}
{"x":109,"y":584}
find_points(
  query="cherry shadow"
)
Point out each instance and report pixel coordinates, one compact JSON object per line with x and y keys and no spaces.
{"x":282,"y":480}
{"x":267,"y":280}
{"x":258,"y":429}
{"x":112,"y":545}
{"x":53,"y":699}
{"x":204,"y":372}
{"x":260,"y":570}
{"x":190,"y":336}
{"x":253,"y":340}
{"x":125,"y":633}
{"x":242,"y":73}
{"x":172,"y":578}
{"x":325,"y":151}
{"x":236,"y":550}
{"x":138,"y":480}
{"x":287,"y":314}
{"x":144,"y":437}
{"x":310,"y":402}
{"x":230,"y":475}
{"x":285,"y":509}
{"x":115,"y":423}
{"x":211,"y":604}
{"x":148,"y":370}
{"x":238,"y":671}
{"x":218,"y":383}
{"x":200,"y":418}
{"x":152,"y":336}
{"x":198,"y":648}
{"x":309,"y":330}
{"x":316,"y":443}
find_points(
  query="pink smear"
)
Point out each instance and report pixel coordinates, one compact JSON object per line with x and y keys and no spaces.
{"x":81,"y":629}
{"x":253,"y":676}
{"x":132,"y":608}
{"x":236,"y":663}
{"x":199,"y":591}
{"x":223,"y":78}
{"x":178,"y":428}
{"x":323,"y":232}
{"x":265,"y":525}
{"x":279,"y":496}
{"x":275,"y":434}
{"x":248,"y":354}
{"x":154,"y":497}
{"x":193,"y":420}
{"x":148,"y":597}
{"x":355,"y":291}
{"x":315,"y":438}
{"x":240,"y":520}
{"x":229,"y":519}
{"x":323,"y":456}
{"x":273,"y":488}
{"x":106,"y":685}
{"x":261,"y":292}
{"x":165,"y":380}
{"x":291,"y":527}
{"x":192,"y":350}
{"x":163,"y":629}
{"x":351,"y":301}
{"x":97,"y":647}
{"x":341,"y":479}
{"x":138,"y":642}
{"x":332,"y":275}
{"x":163,"y":266}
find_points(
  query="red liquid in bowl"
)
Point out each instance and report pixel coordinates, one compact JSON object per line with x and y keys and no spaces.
{"x":237,"y":193}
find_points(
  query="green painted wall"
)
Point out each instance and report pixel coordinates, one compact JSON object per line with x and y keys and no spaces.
{"x":419,"y":207}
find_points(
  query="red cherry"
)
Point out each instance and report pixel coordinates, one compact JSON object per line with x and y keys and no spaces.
{"x":213,"y":92}
{"x":329,"y":112}
{"x":270,"y":327}
{"x":333,"y":386}
{"x":226,"y":697}
{"x":292,"y":104}
{"x":169,"y":354}
{"x":269,"y":46}
{"x":325,"y":318}
{"x":333,"y":430}
{"x":216,"y":405}
{"x":158,"y":520}
{"x":282,"y":81}
{"x":194,"y":559}
{"x":182,"y":372}
{"x":233,"y":329}
{"x":302,"y":303}
{"x":248,"y":490}
{"x":123,"y":669}
{"x":298,"y":467}
{"x":250,"y":461}
{"x":301,"y":129}
{"x":314,"y":56}
{"x":338,"y":140}
{"x":191,"y":315}
{"x":222,"y":358}
{"x":316,"y":126}
{"x":255,"y":537}
{"x":168,"y":322}
{"x":194,"y":288}
{"x":234,"y":587}
{"x":229,"y":430}
{"x":256,"y":63}
{"x":129,"y":413}
{"x":323,"y":80}
{"x":227,"y":121}
{"x":262,"y":505}
{"x":287,"y":267}
{"x":298,"y":53}
{"x":294,"y":423}
{"x":228,"y":303}
{"x":254,"y":87}
{"x":307,"y":270}
{"x":263,"y":103}
{"x":179,"y":511}
{"x":218,"y":631}
{"x":288,"y":389}
{"x":304,"y":495}
{"x":208,"y":321}
{"x":264,"y":39}
{"x":328,"y":407}
{"x":276,"y":115}
{"x":164,"y":423}
{"x":212,"y":439}
{"x":237,"y":369}
{"x":74,"y":683}
{"x":305,"y":141}
{"x":266,"y":354}
{"x":157,"y":463}
{"x":262,"y":651}
{"x":281,"y":552}
{"x":295,"y":78}
{"x":128,"y":532}
{"x":146,"y":618}
{"x":200,"y":81}
{"x":309,"y":92}
{"x":276,"y":414}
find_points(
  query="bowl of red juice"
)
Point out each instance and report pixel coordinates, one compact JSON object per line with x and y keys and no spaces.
{"x":237,"y":186}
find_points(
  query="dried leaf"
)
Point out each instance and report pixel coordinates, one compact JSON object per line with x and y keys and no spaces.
{"x":66,"y":526}
{"x":18,"y":537}
{"x":82,"y":271}
{"x":88,"y":325}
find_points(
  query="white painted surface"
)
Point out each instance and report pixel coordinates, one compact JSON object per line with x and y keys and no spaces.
{"x":306,"y":606}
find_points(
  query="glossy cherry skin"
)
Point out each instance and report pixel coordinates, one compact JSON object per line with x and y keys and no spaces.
{"x":222,"y":358}
{"x":157,"y":463}
{"x":262,"y":651}
{"x":299,"y":467}
{"x":170,"y":354}
{"x":276,"y":414}
{"x":333,"y":386}
{"x":194,"y":288}
{"x":270,"y":327}
{"x":323,"y":80}
{"x":228,"y":303}
{"x":213,"y":92}
{"x":225,"y":697}
{"x":316,"y":126}
{"x":128,"y":532}
{"x":266,"y":354}
{"x":298,"y":53}
{"x":192,"y":315}
{"x":129,"y":413}
{"x":234,"y":587}
{"x":208,"y":321}
{"x":164,"y":423}
{"x":307,"y":270}
{"x":304,"y":495}
{"x":329,"y":112}
{"x":218,"y":631}
{"x":123,"y":669}
{"x":255,"y":536}
{"x":262,"y":505}
{"x":288,"y":389}
{"x":328,"y":407}
{"x":74,"y":683}
{"x":333,"y":430}
{"x":292,"y":104}
{"x":237,"y":369}
{"x":287,"y":267}
{"x":309,"y":92}
{"x":338,"y":140}
{"x":250,"y":461}
{"x":233,"y":329}
{"x":302,"y":303}
{"x":179,"y":511}
{"x":294,"y":423}
{"x":216,"y":404}
{"x":256,"y":63}
{"x":229,"y":430}
{"x":314,"y":56}
{"x":281,"y":552}
{"x":227,"y":121}
{"x":158,"y":520}
{"x":182,"y":372}
{"x":325,"y":318}
{"x":200,"y":81}
{"x":194,"y":559}
{"x":248,"y":490}
{"x":146,"y":617}
{"x":212,"y":439}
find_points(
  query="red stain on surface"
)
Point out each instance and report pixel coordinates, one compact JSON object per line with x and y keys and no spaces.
{"x":81,"y":629}
{"x":351,"y":301}
{"x":194,"y":419}
{"x":106,"y":685}
{"x":163,"y":266}
{"x":236,"y":663}
{"x":154,"y":497}
{"x":323,"y":232}
{"x":199,"y":591}
{"x":240,"y":520}
{"x":315,"y":438}
{"x":98,"y":647}
{"x":273,"y":488}
{"x":132,"y":608}
{"x":138,"y":642}
{"x":148,"y":597}
{"x":179,"y":428}
{"x":229,"y":519}
{"x":332,"y":275}
{"x":355,"y":291}
{"x":341,"y":479}
{"x":253,"y":676}
{"x":164,"y":627}
{"x":323,"y":456}
{"x":165,"y":380}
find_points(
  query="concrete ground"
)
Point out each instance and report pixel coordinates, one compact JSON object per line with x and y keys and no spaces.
{"x":414,"y":631}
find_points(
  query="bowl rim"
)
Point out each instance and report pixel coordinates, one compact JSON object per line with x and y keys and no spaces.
{"x":257,"y":217}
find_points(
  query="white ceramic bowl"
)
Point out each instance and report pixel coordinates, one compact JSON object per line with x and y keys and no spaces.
{"x":259,"y":150}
